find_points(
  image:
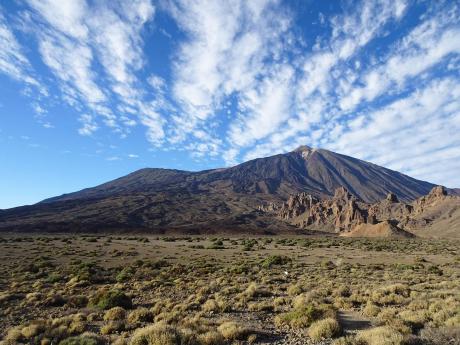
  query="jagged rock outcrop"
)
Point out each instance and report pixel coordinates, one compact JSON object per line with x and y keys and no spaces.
{"x":436,"y":195}
{"x":346,"y":214}
{"x":391,"y":197}
{"x":341,"y":212}
{"x":297,"y":205}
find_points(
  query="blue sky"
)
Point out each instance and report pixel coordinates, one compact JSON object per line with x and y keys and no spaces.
{"x":92,"y":90}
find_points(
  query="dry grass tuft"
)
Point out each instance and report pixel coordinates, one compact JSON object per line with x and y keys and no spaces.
{"x":114,"y":314}
{"x":383,"y":335}
{"x":211,"y":338}
{"x":140,"y":315}
{"x":113,"y":327}
{"x":324,"y":329}
{"x":230,"y":330}
{"x":371,"y":309}
{"x":157,"y":334}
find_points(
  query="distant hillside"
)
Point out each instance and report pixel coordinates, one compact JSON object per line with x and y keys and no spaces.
{"x":212,"y":200}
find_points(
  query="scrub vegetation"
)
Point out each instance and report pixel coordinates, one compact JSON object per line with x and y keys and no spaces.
{"x":192,"y":290}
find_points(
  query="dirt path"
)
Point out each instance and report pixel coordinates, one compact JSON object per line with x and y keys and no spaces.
{"x":353,"y":321}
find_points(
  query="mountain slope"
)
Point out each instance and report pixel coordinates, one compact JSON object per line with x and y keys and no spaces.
{"x":212,"y":200}
{"x":318,"y":172}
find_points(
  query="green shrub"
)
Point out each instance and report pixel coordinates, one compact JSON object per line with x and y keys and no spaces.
{"x":275,"y":260}
{"x":217,"y":245}
{"x":124,"y":275}
{"x":106,"y":299}
{"x":249,"y":244}
{"x":77,"y":301}
{"x":304,"y":316}
{"x":54,"y":278}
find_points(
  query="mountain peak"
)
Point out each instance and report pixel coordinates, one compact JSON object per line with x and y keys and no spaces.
{"x":437,"y":192}
{"x":303,"y":148}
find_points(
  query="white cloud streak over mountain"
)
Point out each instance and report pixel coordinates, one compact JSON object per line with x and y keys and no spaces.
{"x":245,"y":83}
{"x":240,"y":54}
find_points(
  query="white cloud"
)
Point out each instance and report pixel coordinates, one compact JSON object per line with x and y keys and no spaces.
{"x":65,"y":15}
{"x":71,"y":62}
{"x":212,"y":27}
{"x":118,"y":42}
{"x":39,"y":110}
{"x":89,"y":126}
{"x":157,"y":83}
{"x":426,"y":46}
{"x":13,"y":62}
{"x":265,"y":108}
{"x":75,"y":36}
{"x":153,"y":121}
{"x":230,"y":156}
{"x":223,"y":57}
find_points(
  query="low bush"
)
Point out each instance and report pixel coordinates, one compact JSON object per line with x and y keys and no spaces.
{"x":106,"y":299}
{"x":211,"y":338}
{"x":304,"y":316}
{"x":114,"y":314}
{"x":371,"y":310}
{"x":261,"y":306}
{"x":275,"y":260}
{"x":231,"y":330}
{"x":140,"y":315}
{"x":380,"y":336}
{"x":125,"y":274}
{"x":77,"y":301}
{"x":324,"y":329}
{"x":113,"y":327}
{"x":347,"y":340}
{"x":157,"y":334}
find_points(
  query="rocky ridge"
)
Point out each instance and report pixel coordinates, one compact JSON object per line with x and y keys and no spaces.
{"x":347,"y":215}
